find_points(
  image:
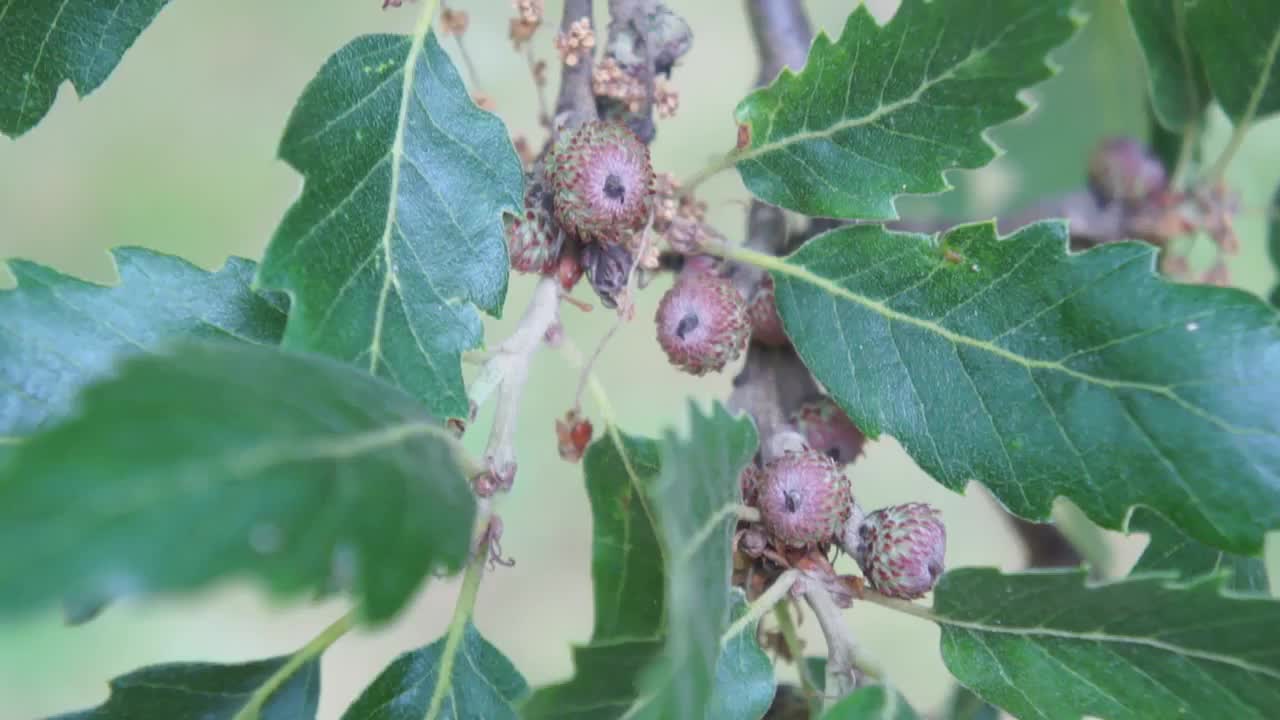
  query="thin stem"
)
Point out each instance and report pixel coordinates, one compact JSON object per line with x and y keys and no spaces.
{"x":544,"y":113}
{"x":1192,"y":129}
{"x":713,"y":168}
{"x":768,"y":600}
{"x":309,"y":652}
{"x":1250,"y":111}
{"x":791,"y":637}
{"x":747,"y":513}
{"x":461,"y":616}
{"x":466,"y":59}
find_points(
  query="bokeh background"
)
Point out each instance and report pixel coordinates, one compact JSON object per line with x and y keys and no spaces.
{"x":176,"y":152}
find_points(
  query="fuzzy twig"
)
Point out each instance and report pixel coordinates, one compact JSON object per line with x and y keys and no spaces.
{"x":507,"y":371}
{"x":842,"y":649}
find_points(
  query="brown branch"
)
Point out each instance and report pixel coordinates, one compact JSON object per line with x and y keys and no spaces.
{"x":773,"y":382}
{"x":575,"y":96}
{"x":782,"y":34}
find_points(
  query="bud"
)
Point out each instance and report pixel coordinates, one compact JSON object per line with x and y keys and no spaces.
{"x":573,"y":434}
{"x":804,"y":498}
{"x":1125,"y":170}
{"x":902,"y":548}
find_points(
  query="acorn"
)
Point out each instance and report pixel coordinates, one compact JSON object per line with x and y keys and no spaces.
{"x":702,"y":323}
{"x":828,"y":429}
{"x":602,"y":182}
{"x":766,"y":324}
{"x":901,"y":549}
{"x":532,"y":243}
{"x":804,"y":498}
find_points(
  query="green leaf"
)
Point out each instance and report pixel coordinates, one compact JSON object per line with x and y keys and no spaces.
{"x":1273,"y":244}
{"x":1179,"y":90}
{"x":483,"y":684}
{"x":1239,"y":42}
{"x":631,"y":605}
{"x":398,"y":234}
{"x":1170,"y":549}
{"x":874,"y":702}
{"x":51,"y":41}
{"x":744,"y":681}
{"x":1046,"y":645}
{"x":628,"y":581}
{"x":58,"y":333}
{"x":1042,"y":374}
{"x":297,"y":470}
{"x":964,"y":705}
{"x":205,"y":691}
{"x":695,"y":499}
{"x":884,"y":111}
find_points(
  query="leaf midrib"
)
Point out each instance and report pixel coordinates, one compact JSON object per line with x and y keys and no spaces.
{"x":1264,"y":79}
{"x":802,"y":273}
{"x":1044,"y":632}
{"x":881,"y":110}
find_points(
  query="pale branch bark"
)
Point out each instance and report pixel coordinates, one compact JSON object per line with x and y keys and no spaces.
{"x":576,"y":96}
{"x":843,"y":674}
{"x":508,"y":371}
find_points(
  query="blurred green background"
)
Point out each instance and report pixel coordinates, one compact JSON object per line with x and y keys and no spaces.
{"x":177,"y":152}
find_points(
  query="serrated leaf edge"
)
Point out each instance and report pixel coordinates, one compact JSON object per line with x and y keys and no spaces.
{"x":1217,"y":581}
{"x":783,"y":268}
{"x":788,"y":75}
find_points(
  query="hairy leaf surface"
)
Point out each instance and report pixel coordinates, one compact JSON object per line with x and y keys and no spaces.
{"x":47,"y":42}
{"x":205,"y":691}
{"x":1179,"y":90}
{"x":1239,"y":44}
{"x":883,"y":111}
{"x":58,"y":333}
{"x":398,"y":235}
{"x":1273,"y":245}
{"x":695,"y":499}
{"x":628,"y":581}
{"x":628,"y":660}
{"x":1042,"y":374}
{"x":302,"y":472}
{"x":744,"y":684}
{"x":1170,"y":549}
{"x":1046,"y":645}
{"x":482,"y":683}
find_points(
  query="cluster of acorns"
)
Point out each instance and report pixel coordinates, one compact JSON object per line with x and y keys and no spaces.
{"x":585,"y":209}
{"x":806,"y":504}
{"x":593,"y":199}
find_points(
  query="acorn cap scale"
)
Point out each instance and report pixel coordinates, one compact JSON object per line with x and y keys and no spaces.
{"x":803,"y":498}
{"x":901,"y":549}
{"x":602,"y":180}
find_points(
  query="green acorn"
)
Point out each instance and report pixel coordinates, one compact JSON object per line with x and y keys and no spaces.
{"x":602,"y":182}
